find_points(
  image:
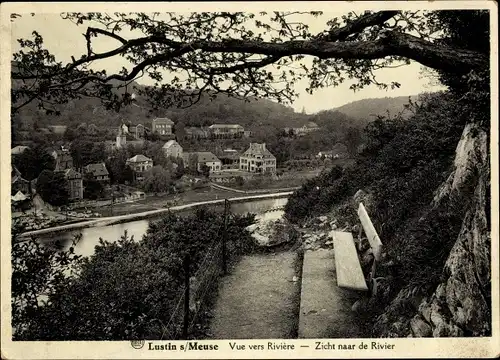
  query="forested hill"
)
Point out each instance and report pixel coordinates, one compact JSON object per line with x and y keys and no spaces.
{"x":368,"y":109}
{"x":223,"y":109}
{"x":255,"y":115}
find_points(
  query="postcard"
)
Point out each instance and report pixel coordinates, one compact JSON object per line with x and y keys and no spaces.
{"x":249,"y":180}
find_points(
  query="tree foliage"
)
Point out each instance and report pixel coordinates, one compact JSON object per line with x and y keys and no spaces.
{"x":157,"y":180}
{"x":239,"y":54}
{"x":33,"y":161}
{"x":128,"y":289}
{"x":53,"y":188}
{"x":92,"y":189}
{"x":85,"y":152}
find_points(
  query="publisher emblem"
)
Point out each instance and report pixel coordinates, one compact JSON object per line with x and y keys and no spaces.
{"x":137,"y":344}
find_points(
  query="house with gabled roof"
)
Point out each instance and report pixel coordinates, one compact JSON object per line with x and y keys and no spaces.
{"x":63,"y":158}
{"x":203,"y":158}
{"x":172,"y":148}
{"x":98,"y":171}
{"x":258,"y":159}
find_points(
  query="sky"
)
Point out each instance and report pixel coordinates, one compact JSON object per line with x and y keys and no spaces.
{"x":64,"y":39}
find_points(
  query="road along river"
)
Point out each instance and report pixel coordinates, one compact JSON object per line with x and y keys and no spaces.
{"x":112,"y":228}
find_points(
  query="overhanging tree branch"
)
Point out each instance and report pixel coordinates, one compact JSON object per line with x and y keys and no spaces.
{"x":186,"y":45}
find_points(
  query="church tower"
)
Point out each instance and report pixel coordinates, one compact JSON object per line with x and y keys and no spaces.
{"x":121,"y":138}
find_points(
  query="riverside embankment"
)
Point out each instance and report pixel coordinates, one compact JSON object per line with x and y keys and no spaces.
{"x":150,"y":214}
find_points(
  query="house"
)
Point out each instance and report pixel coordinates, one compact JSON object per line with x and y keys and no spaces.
{"x":306,"y":129}
{"x":203,"y":158}
{"x":226,"y":131}
{"x":75,"y":184}
{"x":137,"y":131}
{"x":18,"y":183}
{"x":172,"y":148}
{"x":63,"y":159}
{"x":140,"y":163}
{"x":257,"y":159}
{"x":98,"y":171}
{"x":196,"y":133}
{"x":18,"y":150}
{"x":20,"y":202}
{"x":162,"y":126}
{"x":229,"y":158}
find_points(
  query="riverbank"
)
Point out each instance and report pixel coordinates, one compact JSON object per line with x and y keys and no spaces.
{"x":151,"y":213}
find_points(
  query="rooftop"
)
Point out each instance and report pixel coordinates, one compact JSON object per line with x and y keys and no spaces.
{"x":258,"y":149}
{"x":206,"y":156}
{"x":169,"y":143}
{"x":225,"y":126}
{"x":164,"y":120}
{"x":98,"y":169}
{"x":139,"y":158}
{"x":72,"y":174}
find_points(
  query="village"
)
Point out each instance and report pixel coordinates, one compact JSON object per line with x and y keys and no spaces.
{"x":94,"y":189}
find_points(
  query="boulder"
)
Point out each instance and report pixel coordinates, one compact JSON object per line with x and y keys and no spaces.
{"x":261,"y":240}
{"x":252,"y":228}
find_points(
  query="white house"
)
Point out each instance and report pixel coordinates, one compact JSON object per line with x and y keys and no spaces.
{"x":172,"y":148}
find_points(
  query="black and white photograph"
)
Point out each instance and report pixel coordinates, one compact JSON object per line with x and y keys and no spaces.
{"x":261,"y":180}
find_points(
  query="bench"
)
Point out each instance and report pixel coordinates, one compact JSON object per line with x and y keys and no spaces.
{"x":348,"y":267}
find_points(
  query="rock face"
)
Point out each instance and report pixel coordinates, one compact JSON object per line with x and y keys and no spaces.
{"x":461,"y":304}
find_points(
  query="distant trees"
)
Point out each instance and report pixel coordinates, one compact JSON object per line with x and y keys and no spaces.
{"x":33,"y":161}
{"x":179,"y":131}
{"x":92,"y":189}
{"x":352,"y":139}
{"x":205,"y":170}
{"x":192,"y":163}
{"x":86,"y":152}
{"x":53,"y":188}
{"x":157,"y":180}
{"x":119,"y":172}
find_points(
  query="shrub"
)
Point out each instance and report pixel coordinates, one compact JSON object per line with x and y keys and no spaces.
{"x":127,"y":289}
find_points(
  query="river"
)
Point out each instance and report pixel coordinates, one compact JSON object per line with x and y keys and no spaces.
{"x":137,"y":228}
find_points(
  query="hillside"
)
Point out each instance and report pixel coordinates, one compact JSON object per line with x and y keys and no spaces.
{"x":368,"y":109}
{"x":256,"y":115}
{"x":223,"y":109}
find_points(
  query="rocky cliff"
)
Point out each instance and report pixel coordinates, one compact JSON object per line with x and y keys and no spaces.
{"x":461,"y":303}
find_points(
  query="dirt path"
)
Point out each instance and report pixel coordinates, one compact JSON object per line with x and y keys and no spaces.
{"x":259,"y":299}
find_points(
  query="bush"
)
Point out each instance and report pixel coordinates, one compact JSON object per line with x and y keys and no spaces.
{"x":403,"y":162}
{"x":127,"y":289}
